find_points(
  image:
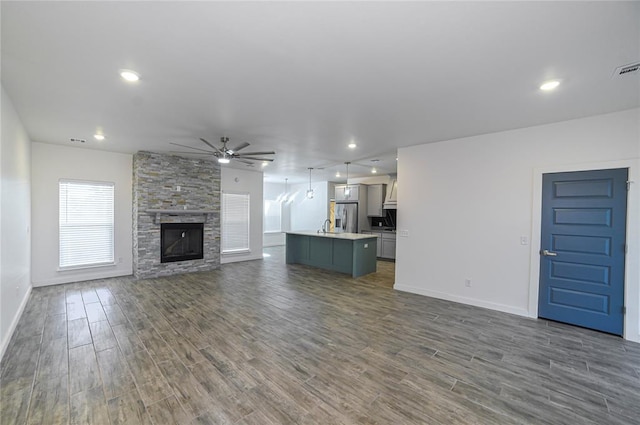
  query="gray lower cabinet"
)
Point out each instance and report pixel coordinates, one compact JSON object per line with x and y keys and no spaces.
{"x":388,"y":245}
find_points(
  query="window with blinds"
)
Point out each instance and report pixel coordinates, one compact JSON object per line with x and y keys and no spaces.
{"x":235,"y":222}
{"x":86,"y":223}
{"x":272,"y":216}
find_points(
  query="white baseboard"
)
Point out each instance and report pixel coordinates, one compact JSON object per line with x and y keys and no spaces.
{"x":632,"y":338}
{"x":462,"y":300}
{"x":81,"y":277}
{"x":230,"y":258}
{"x":268,"y":244}
{"x":14,"y":323}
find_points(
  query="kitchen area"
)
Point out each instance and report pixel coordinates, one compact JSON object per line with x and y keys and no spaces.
{"x":368,"y":209}
{"x":359,"y":232}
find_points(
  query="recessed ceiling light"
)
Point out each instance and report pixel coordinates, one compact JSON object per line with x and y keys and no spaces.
{"x":352,"y":145}
{"x":98,"y":136}
{"x":338,"y":174}
{"x":373,"y":170}
{"x":549,"y":85}
{"x":129,"y":75}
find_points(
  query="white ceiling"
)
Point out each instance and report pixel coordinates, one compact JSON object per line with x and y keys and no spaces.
{"x":307,"y":78}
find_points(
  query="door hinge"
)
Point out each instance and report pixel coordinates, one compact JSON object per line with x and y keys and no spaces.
{"x":624,"y":309}
{"x":629,"y":185}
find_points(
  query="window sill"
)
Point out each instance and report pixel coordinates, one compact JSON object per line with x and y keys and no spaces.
{"x":238,"y":252}
{"x":88,"y":266}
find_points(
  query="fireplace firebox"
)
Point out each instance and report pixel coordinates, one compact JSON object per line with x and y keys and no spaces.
{"x":181,"y":242}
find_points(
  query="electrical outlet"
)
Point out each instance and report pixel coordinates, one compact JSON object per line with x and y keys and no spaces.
{"x":524,"y":240}
{"x":366,"y":245}
{"x":404,"y":233}
{"x":467,"y":283}
{"x":178,"y":188}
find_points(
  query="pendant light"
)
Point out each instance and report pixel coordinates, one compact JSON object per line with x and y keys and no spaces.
{"x":347,"y":191}
{"x":286,"y":191}
{"x":310,"y":191}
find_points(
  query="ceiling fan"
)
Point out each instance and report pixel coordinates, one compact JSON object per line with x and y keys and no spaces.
{"x":225,"y":154}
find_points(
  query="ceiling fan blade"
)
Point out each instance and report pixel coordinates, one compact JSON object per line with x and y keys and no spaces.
{"x":254,"y":158}
{"x":257,"y":153}
{"x":191,"y":147}
{"x":244,"y":161}
{"x":240,"y":146}
{"x":210,"y":145}
{"x":193,"y":153}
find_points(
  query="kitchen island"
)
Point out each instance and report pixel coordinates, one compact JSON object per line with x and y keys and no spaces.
{"x":351,"y":253}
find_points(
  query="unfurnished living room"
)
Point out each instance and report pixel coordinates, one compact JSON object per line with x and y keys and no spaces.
{"x":230,"y":212}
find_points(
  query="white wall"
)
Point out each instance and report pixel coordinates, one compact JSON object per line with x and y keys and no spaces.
{"x":234,"y":180}
{"x":466,"y":203}
{"x":50,"y":163}
{"x":309,"y":214}
{"x":15,"y":219}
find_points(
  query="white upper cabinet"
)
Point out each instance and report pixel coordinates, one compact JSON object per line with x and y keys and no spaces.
{"x":341,"y":195}
{"x":375,"y":198}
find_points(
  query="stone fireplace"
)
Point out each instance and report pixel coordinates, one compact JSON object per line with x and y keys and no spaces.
{"x":182,"y":196}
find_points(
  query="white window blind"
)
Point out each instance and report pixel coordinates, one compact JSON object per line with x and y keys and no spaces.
{"x":235,"y":222}
{"x":272,"y":216}
{"x":86,"y":223}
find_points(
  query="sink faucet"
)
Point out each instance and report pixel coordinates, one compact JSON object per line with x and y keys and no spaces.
{"x":326,"y":225}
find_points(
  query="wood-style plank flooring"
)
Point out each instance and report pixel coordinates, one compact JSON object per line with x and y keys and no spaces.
{"x":264,"y":343}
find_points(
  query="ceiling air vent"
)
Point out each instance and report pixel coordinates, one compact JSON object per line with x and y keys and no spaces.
{"x":627,"y":69}
{"x":77,"y":140}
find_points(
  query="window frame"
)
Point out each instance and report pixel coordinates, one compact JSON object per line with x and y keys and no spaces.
{"x":96,"y":264}
{"x":223,"y":202}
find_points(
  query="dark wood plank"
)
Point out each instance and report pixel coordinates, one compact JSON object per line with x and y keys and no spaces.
{"x":78,"y":332}
{"x":168,"y":411}
{"x":50,"y":402}
{"x":128,"y":409}
{"x":83,"y":369}
{"x":89,"y":407}
{"x":54,"y":359}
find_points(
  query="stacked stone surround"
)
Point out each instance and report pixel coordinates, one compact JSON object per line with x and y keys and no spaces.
{"x":155,"y":181}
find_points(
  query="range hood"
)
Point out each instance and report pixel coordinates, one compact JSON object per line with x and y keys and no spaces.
{"x":391,"y":200}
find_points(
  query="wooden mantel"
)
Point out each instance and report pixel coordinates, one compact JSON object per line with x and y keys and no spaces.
{"x":160,"y":212}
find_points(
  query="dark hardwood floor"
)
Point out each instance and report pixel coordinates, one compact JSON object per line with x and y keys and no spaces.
{"x":264,"y":343}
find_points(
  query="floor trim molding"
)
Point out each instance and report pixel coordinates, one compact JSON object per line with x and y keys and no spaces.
{"x":14,"y":323}
{"x":463,"y":300}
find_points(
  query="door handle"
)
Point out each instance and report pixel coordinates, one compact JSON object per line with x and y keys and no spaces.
{"x":548,"y":253}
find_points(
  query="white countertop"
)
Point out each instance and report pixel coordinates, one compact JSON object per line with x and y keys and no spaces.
{"x":348,"y":236}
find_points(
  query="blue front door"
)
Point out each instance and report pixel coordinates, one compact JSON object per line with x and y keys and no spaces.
{"x":582,"y":248}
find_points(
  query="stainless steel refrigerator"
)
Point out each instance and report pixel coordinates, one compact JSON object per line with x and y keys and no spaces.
{"x":346,"y":216}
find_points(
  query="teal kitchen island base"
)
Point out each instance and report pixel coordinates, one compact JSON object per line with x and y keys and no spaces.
{"x":351,"y":253}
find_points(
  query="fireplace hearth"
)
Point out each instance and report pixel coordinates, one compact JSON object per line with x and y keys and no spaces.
{"x":181,"y":242}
